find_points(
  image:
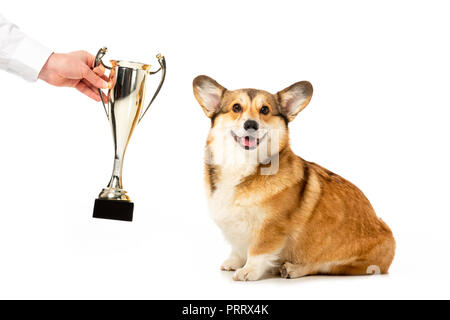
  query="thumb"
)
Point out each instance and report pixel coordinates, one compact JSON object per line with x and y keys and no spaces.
{"x":93,"y":78}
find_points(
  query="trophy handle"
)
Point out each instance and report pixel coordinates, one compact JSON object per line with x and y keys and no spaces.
{"x":97,"y":62}
{"x":162,"y":63}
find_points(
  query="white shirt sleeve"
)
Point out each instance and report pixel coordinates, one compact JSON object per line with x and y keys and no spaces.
{"x":19,"y":54}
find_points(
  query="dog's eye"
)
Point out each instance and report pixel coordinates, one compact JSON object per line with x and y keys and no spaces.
{"x":264,"y":110}
{"x":237,"y":108}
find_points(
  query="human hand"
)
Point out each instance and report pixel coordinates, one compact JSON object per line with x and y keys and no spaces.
{"x":76,"y":70}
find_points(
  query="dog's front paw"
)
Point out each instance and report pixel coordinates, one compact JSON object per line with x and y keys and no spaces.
{"x":232,"y":263}
{"x":247,"y":273}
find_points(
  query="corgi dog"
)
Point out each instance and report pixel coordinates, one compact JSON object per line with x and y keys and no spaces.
{"x":281,"y":214}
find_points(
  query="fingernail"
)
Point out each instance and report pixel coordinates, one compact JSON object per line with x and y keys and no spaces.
{"x":106,"y":85}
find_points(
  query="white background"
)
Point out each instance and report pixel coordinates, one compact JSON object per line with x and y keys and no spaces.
{"x":379,"y":117}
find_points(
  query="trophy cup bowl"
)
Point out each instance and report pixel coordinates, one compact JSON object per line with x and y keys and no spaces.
{"x":124,"y":110}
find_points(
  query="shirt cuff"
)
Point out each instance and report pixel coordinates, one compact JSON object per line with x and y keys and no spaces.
{"x":29,"y":58}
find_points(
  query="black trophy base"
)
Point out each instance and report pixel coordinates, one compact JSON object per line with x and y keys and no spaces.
{"x":113,"y":210}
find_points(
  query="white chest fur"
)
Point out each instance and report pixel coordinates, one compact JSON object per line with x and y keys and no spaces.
{"x":238,"y":222}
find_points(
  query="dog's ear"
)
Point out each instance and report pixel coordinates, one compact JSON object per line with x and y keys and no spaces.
{"x":208,"y":93}
{"x":294,"y":98}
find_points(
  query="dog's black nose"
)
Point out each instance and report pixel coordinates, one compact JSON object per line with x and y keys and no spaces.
{"x":251,"y":124}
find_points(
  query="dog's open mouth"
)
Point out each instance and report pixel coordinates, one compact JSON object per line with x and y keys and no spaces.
{"x":247,"y":142}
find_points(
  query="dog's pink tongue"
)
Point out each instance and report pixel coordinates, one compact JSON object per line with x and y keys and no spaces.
{"x":248,"y":141}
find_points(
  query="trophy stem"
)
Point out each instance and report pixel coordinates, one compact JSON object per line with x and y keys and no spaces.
{"x":114,"y":190}
{"x":116,"y":178}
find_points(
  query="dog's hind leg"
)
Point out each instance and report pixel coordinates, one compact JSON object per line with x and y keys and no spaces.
{"x":358,"y":267}
{"x":376,"y":261}
{"x":291,"y":271}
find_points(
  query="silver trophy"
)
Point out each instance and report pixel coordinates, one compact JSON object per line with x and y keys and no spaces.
{"x":124,"y":109}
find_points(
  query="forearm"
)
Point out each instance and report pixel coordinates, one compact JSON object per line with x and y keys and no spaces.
{"x":19,"y":54}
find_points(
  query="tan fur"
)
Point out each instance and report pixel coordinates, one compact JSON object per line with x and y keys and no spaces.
{"x":303,"y":219}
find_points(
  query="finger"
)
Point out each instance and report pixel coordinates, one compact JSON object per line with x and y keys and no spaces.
{"x":89,"y":59}
{"x":100,"y":69}
{"x":93,"y":78}
{"x":83,"y":88}
{"x":94,"y":89}
{"x":101,"y":73}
